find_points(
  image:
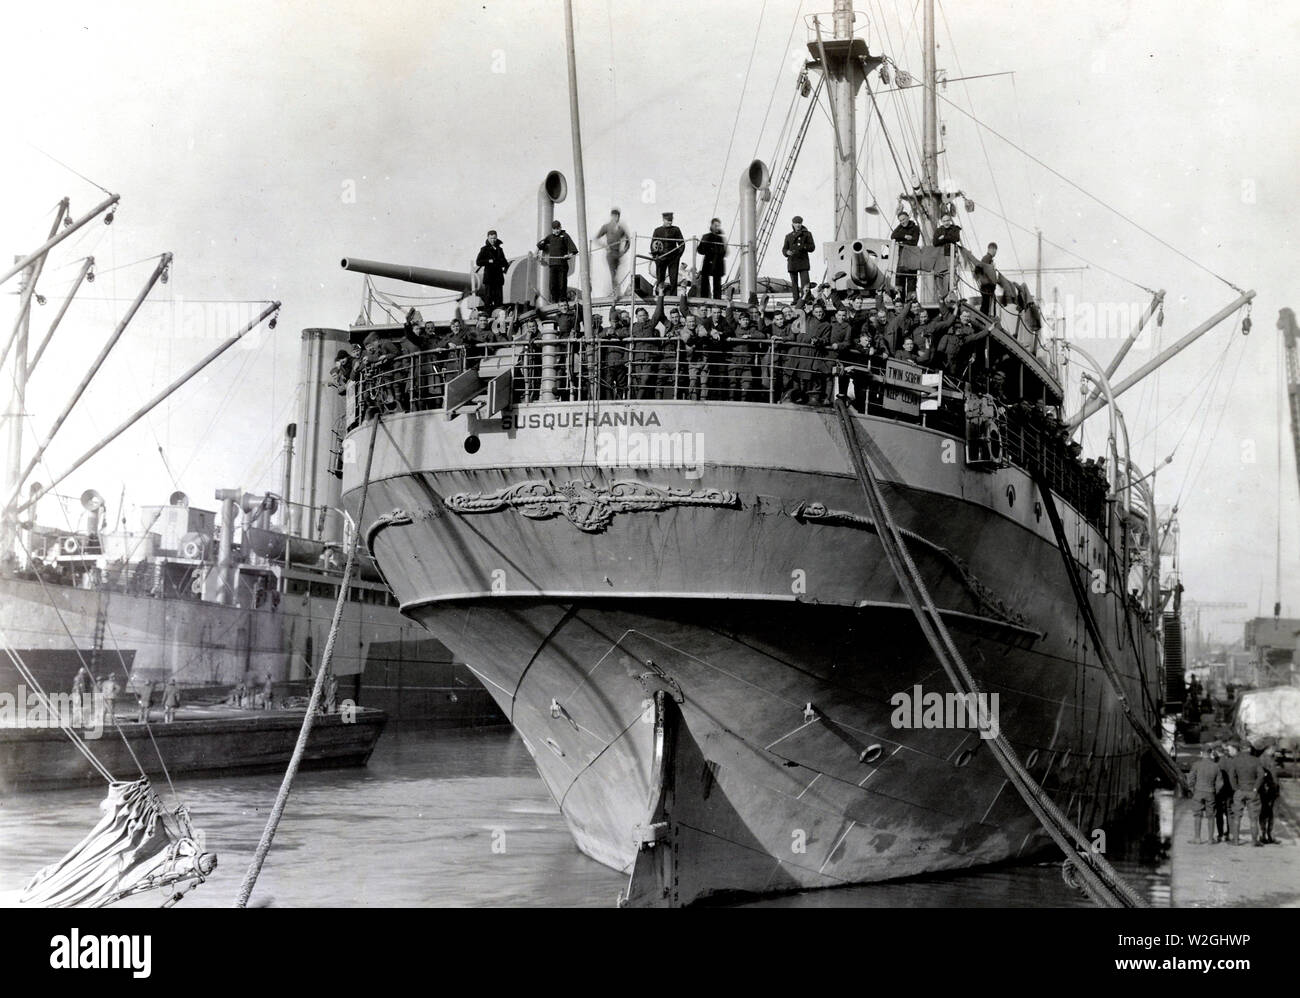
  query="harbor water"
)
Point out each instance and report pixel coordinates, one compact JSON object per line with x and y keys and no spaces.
{"x":443,"y":818}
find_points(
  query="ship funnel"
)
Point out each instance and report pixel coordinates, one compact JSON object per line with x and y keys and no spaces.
{"x":178,"y":498}
{"x":553,"y":190}
{"x":752,"y":182}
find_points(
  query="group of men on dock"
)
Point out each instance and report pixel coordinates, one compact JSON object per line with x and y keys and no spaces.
{"x":1231,"y":785}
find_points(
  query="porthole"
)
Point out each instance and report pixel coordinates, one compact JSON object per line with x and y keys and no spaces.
{"x":472,"y":444}
{"x":1065,"y":760}
{"x":1031,"y":759}
{"x":871,"y":753}
{"x":964,"y":759}
{"x":1038,"y":510}
{"x":1011,"y":495}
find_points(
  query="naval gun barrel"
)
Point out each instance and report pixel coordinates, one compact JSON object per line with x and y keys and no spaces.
{"x":867,"y":272}
{"x":452,"y":280}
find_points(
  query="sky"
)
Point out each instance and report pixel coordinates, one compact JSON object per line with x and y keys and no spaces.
{"x":260,"y":142}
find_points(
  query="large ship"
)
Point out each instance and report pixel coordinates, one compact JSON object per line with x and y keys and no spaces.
{"x":713,"y":604}
{"x":219,"y":599}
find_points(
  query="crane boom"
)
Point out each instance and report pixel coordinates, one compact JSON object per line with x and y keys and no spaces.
{"x":1286,"y":322}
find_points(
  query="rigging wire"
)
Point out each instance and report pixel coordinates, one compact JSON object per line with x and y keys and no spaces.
{"x":988,"y":162}
{"x":1191,"y":478}
{"x":726,"y":160}
{"x":1088,"y":194}
{"x":69,"y":169}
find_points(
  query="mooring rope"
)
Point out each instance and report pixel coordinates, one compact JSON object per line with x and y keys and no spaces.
{"x":1103,"y":884}
{"x":286,"y":785}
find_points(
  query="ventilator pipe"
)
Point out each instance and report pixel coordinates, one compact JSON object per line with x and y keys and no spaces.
{"x":752,"y":182}
{"x":551,"y":192}
{"x":229,"y":499}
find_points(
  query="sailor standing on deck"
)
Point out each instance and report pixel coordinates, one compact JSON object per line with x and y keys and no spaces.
{"x":798,"y":244}
{"x":268,"y":693}
{"x":492,"y":258}
{"x":557,"y":249}
{"x":988,"y":276}
{"x":171,"y":700}
{"x":906,"y":233}
{"x":713,"y":247}
{"x":670,"y":245}
{"x":616,"y":243}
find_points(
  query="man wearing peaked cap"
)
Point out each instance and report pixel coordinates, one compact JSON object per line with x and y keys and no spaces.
{"x":667,"y":246}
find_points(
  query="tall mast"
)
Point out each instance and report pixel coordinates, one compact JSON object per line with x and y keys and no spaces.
{"x":844,"y":61}
{"x":579,"y":179}
{"x":930,"y":122}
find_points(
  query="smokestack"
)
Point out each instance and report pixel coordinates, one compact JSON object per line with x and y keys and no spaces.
{"x":321,"y":415}
{"x":753,"y":181}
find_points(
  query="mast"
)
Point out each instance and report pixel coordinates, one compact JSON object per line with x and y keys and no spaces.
{"x":18,"y":400}
{"x":579,"y":178}
{"x":843,"y":60}
{"x":930,"y":124}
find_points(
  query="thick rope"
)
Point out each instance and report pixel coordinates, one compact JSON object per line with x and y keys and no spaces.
{"x":286,"y":785}
{"x":1101,"y":881}
{"x":1094,"y":635}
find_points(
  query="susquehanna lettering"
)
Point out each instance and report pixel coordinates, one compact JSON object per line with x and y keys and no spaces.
{"x":566,"y":420}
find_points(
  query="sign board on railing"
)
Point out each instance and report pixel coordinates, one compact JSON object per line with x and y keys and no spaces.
{"x":903,"y":388}
{"x":461,"y":390}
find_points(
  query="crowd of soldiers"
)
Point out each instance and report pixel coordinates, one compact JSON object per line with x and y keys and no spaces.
{"x":800,"y":352}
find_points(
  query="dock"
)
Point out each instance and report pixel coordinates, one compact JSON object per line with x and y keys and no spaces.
{"x":1227,"y":876}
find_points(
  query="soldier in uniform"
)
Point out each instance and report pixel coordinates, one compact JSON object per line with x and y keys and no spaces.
{"x":613,"y":360}
{"x":171,"y":700}
{"x":1205,"y":780}
{"x":988,"y":278}
{"x":648,"y":352}
{"x":713,"y":247}
{"x":616,"y":243}
{"x":798,"y":244}
{"x":492,"y":258}
{"x":948,"y":233}
{"x":672,"y":244}
{"x":145,"y":695}
{"x":906,"y":233}
{"x":1223,"y":798}
{"x":1246,"y":773}
{"x":744,"y":359}
{"x":557,"y":250}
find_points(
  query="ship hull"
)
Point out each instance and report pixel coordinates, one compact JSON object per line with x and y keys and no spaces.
{"x":704,"y":661}
{"x":383,"y":660}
